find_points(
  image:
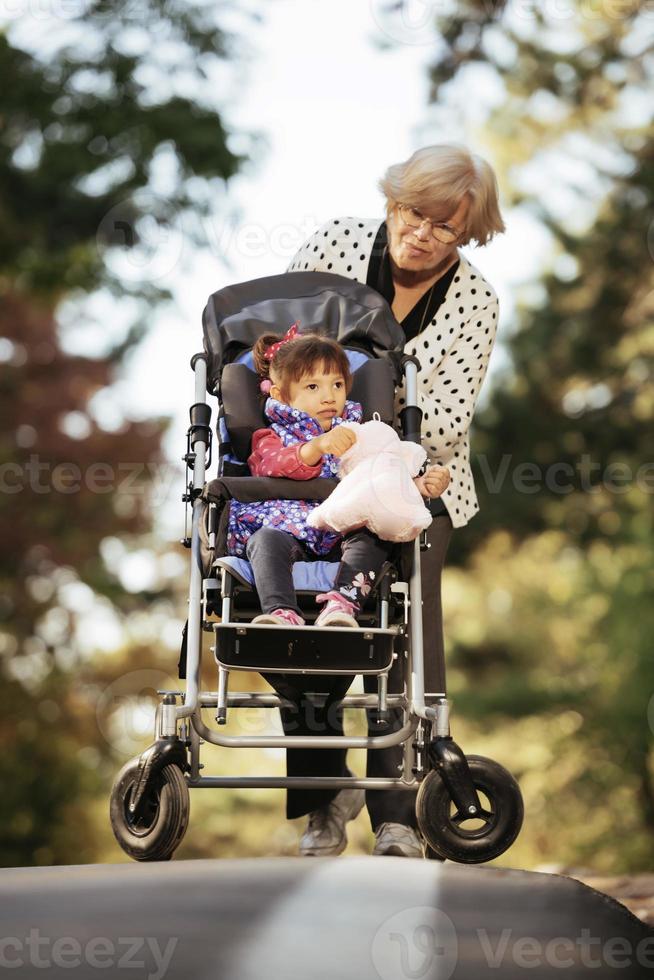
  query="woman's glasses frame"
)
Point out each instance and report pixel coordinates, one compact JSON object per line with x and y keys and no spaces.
{"x":414,"y":219}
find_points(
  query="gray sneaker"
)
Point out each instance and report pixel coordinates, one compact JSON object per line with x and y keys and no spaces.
{"x":398,"y":840}
{"x":325,"y":832}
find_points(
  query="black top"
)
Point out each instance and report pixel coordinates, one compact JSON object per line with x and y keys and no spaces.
{"x":380,"y":278}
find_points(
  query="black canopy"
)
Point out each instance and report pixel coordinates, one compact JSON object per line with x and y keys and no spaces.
{"x":347,"y":311}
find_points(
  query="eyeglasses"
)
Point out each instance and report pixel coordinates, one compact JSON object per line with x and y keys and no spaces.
{"x":441,"y":232}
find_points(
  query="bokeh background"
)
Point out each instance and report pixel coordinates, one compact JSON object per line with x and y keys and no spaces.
{"x":153,"y":151}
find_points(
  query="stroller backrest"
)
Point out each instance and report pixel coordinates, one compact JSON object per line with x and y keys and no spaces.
{"x":344,"y":310}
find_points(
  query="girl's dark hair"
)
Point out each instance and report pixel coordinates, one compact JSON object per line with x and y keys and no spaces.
{"x":298,"y":357}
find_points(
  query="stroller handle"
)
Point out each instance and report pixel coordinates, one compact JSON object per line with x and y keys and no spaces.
{"x":411,"y":414}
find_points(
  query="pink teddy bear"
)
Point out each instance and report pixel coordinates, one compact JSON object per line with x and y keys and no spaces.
{"x":376,"y":488}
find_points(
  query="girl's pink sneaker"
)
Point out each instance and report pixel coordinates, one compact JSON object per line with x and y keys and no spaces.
{"x":337,"y":612}
{"x":280,"y":617}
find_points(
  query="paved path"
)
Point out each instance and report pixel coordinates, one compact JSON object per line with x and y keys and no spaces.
{"x":329,"y":919}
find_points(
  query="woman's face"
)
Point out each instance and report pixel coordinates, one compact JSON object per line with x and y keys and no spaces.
{"x":415,"y":249}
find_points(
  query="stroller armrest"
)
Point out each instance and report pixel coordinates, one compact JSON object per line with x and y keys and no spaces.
{"x":250,"y":488}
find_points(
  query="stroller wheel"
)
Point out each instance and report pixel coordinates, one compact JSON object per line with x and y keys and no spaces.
{"x":155,"y":830}
{"x":480,"y":838}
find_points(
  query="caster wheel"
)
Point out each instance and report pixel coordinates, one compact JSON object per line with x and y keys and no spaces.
{"x":155,"y":831}
{"x":431,"y":854}
{"x":471,"y":840}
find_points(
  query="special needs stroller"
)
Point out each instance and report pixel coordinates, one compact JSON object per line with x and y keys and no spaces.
{"x":468,"y":809}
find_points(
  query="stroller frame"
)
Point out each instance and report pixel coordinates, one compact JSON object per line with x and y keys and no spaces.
{"x":150,"y":798}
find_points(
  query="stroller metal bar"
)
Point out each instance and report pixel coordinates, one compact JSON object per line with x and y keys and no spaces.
{"x":409,"y":753}
{"x":441,"y":723}
{"x":194,"y":752}
{"x":209,"y":699}
{"x":304,"y":741}
{"x":382,"y":694}
{"x":301,"y":782}
{"x":226,"y":587}
{"x":221,"y":701}
{"x":194,"y":633}
{"x":411,"y":383}
{"x":416,"y":665}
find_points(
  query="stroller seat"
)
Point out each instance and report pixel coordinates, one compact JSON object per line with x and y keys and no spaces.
{"x":374,"y":373}
{"x":308,"y":576}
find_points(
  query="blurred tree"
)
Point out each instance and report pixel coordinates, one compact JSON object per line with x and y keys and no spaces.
{"x":116,"y":127}
{"x":564,"y":447}
{"x":49,"y":773}
{"x":108,"y":122}
{"x":572,"y":141}
{"x":66,"y":482}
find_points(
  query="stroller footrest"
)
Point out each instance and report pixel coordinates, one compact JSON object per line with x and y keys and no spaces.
{"x":305,"y":649}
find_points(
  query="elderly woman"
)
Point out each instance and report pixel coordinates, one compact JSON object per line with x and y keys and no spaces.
{"x":441,"y":198}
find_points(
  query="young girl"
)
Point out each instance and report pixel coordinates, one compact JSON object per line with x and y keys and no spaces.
{"x":307,"y":378}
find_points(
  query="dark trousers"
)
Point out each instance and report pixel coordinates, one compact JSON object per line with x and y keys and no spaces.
{"x":272,"y":552}
{"x":396,"y":806}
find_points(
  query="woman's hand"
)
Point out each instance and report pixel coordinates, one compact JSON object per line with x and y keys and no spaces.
{"x":434,"y":481}
{"x":335,"y":442}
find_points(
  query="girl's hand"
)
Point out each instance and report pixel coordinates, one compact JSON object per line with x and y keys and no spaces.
{"x":434,"y":481}
{"x":335,"y":442}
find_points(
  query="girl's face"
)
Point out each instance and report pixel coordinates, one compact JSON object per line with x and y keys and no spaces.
{"x":319,"y":393}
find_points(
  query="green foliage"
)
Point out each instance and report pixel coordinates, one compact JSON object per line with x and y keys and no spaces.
{"x":550,"y":620}
{"x":46,"y":772}
{"x":61,"y":495}
{"x":90,"y":114}
{"x":79,"y":137}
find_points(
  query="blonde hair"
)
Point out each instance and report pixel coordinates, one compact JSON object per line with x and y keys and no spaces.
{"x":435,"y":179}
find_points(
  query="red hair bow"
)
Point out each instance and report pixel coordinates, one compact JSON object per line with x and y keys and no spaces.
{"x":290,"y":334}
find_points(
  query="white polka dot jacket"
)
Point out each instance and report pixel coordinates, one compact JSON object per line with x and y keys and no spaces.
{"x":453,"y":349}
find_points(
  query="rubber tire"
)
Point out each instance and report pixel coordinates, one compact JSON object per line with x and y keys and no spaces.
{"x":170,"y":814}
{"x":433,"y":804}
